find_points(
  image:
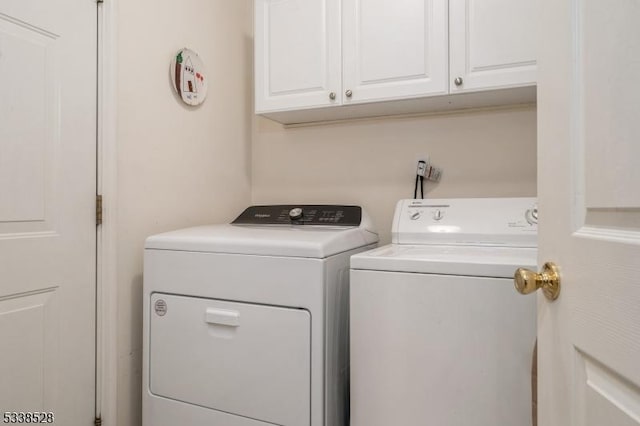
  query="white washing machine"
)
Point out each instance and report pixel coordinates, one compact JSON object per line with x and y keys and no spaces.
{"x":246,"y":324}
{"x":439,"y":335}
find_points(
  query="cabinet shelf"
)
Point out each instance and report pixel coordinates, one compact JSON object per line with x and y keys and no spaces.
{"x":431,"y":104}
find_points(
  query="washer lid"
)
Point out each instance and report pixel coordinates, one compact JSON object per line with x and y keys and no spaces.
{"x":472,"y":261}
{"x":289,"y":241}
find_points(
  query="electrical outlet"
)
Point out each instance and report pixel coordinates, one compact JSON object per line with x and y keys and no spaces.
{"x":434,"y":174}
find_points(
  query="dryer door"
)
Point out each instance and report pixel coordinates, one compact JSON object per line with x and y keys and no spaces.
{"x":244,"y":359}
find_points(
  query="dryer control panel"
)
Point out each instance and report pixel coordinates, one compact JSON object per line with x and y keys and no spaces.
{"x":304,"y":214}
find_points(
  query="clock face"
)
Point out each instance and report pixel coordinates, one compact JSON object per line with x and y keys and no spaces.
{"x":188,"y":76}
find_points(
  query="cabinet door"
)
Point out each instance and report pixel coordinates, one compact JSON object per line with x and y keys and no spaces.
{"x":297,"y":54}
{"x":394,"y":49}
{"x":493,"y":44}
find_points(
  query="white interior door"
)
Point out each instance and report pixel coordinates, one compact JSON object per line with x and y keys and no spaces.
{"x":394,"y":49}
{"x":47,"y":208}
{"x":589,"y":200}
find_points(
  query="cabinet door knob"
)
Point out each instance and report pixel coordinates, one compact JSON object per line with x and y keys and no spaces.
{"x":349,"y":93}
{"x":458,"y":81}
{"x":332,"y":95}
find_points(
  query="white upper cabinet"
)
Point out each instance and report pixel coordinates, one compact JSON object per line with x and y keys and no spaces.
{"x":492,"y":44}
{"x":394,"y":49}
{"x":321,"y":60}
{"x":297,"y":54}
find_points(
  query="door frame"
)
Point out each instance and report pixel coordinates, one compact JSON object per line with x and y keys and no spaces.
{"x":106,"y":238}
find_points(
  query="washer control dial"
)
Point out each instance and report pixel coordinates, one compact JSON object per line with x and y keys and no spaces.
{"x":438,"y":215}
{"x":531,"y":215}
{"x":415,"y":215}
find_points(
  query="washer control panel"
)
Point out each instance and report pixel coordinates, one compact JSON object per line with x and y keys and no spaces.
{"x":285,"y":214}
{"x":428,"y":212}
{"x":473,"y":221}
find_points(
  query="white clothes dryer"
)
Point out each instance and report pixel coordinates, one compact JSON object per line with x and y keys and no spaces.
{"x":246,"y":324}
{"x":439,"y":335}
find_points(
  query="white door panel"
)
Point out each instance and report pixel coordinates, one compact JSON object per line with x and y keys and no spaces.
{"x":29,"y":125}
{"x":493,"y":43}
{"x":28,"y":322}
{"x":589,"y":339}
{"x":610,"y":130}
{"x":297,"y":54}
{"x":26,"y":149}
{"x":394,"y":50}
{"x":47,"y":208}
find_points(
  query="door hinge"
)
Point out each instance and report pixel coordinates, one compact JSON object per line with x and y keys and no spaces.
{"x":98,"y":210}
{"x":98,"y":421}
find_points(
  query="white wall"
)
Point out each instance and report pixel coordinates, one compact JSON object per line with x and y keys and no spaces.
{"x":372,"y":162}
{"x":177,"y":166}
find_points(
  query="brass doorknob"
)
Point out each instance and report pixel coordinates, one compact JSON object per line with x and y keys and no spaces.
{"x":548,"y":280}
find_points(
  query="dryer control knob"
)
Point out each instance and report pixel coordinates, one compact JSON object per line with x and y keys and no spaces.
{"x":437,"y":215}
{"x":415,"y":215}
{"x":295,"y":214}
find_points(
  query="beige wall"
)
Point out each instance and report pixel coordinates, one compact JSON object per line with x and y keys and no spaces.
{"x":181,"y":166}
{"x":372,"y":162}
{"x":177,"y":166}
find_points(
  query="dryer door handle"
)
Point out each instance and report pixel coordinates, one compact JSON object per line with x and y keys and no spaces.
{"x":222,"y":317}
